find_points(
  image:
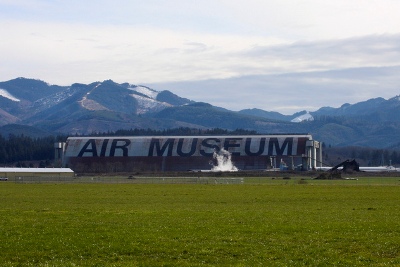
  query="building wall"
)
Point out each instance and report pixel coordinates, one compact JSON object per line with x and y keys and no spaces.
{"x":178,"y":153}
{"x":12,"y":173}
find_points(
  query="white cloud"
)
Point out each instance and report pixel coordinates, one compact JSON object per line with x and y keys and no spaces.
{"x":292,"y":92}
{"x":316,"y":20}
{"x":147,"y":54}
{"x":152,"y":41}
{"x":86,"y":53}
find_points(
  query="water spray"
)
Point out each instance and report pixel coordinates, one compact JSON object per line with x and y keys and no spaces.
{"x":224,"y":162}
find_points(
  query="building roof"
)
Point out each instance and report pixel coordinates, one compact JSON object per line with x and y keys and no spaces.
{"x":36,"y":170}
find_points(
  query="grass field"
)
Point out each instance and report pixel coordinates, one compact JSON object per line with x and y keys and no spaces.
{"x":294,"y":224}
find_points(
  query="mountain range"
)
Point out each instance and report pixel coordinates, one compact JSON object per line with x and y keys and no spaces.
{"x":36,"y":108}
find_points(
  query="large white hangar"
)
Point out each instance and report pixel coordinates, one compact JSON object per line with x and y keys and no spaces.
{"x":182,"y":153}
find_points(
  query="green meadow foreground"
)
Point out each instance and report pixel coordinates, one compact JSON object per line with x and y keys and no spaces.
{"x":101,"y":224}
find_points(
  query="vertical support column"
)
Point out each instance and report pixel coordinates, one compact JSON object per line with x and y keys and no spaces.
{"x":316,"y":148}
{"x":292,"y":164}
{"x":304,"y":161}
{"x":320,"y":155}
{"x":311,"y":148}
{"x":313,"y":156}
{"x":163,"y":164}
{"x":59,"y":149}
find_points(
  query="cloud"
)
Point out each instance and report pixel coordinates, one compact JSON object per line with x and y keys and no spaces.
{"x":292,"y":92}
{"x":113,"y":50}
{"x":375,"y":50}
{"x":219,"y":51}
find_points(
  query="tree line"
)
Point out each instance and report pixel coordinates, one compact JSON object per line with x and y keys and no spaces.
{"x":19,"y":149}
{"x":366,"y":156}
{"x":16,"y":150}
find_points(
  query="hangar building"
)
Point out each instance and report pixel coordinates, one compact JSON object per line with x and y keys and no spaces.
{"x":13,"y":173}
{"x":182,"y":153}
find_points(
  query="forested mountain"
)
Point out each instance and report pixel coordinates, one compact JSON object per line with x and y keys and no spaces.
{"x":35,"y":108}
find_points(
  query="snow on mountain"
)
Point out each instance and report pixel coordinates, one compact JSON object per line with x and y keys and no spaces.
{"x":149,"y":105}
{"x":6,"y":94}
{"x":145,"y":91}
{"x":305,"y":117}
{"x":51,"y":100}
{"x":90,"y":104}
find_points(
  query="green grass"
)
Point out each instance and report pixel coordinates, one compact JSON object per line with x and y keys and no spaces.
{"x":295,"y":180}
{"x":199,"y":225}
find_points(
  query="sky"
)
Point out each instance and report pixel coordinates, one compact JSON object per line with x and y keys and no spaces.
{"x":276,"y":55}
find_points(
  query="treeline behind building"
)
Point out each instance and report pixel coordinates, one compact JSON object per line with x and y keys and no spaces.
{"x":23,"y":148}
{"x":18,"y":149}
{"x":365,"y":156}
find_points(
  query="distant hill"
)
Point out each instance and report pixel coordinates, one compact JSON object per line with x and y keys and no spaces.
{"x":377,"y":109}
{"x":35,"y":108}
{"x":266,"y":114}
{"x":19,"y":130}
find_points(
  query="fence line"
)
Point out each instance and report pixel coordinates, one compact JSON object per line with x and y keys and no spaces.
{"x":208,"y":180}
